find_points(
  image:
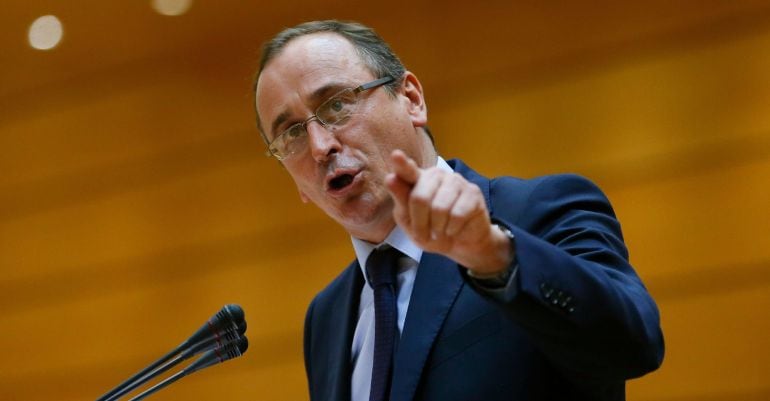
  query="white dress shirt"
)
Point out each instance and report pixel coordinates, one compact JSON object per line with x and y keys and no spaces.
{"x":362,"y":351}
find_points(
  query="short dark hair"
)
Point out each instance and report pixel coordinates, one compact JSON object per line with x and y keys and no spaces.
{"x":374,"y":52}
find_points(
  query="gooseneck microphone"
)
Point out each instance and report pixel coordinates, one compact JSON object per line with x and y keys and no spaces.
{"x":216,"y":341}
{"x":229,"y":316}
{"x":213,"y":357}
{"x":226,"y":327}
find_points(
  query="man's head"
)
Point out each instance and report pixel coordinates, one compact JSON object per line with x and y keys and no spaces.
{"x":341,"y":166}
{"x":373,"y":51}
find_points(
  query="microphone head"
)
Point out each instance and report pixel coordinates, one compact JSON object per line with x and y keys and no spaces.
{"x":229,"y":351}
{"x":243,"y":345}
{"x":236,"y":348}
{"x":235,"y":312}
{"x":229,"y":317}
{"x":224,"y":338}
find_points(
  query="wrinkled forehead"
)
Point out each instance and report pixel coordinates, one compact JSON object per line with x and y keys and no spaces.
{"x":303,"y":66}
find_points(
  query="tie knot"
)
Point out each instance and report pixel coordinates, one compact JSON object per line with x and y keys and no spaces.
{"x":382,"y":266}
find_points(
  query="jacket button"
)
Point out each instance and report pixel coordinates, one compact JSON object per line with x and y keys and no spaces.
{"x":546,"y":290}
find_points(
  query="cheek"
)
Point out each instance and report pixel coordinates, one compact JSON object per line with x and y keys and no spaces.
{"x":302,"y":177}
{"x":372,"y":133}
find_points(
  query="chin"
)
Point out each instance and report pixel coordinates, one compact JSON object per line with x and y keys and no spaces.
{"x":367,"y":218}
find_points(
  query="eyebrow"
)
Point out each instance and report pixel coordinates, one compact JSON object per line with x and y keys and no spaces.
{"x":317,"y":96}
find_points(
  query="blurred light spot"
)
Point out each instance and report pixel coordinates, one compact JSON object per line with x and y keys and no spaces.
{"x":45,"y":33}
{"x":171,"y":7}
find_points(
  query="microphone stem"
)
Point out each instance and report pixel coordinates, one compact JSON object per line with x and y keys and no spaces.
{"x":147,"y":374}
{"x":120,"y":389}
{"x":160,"y":385}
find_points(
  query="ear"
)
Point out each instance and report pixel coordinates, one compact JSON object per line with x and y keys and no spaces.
{"x":416,"y":107}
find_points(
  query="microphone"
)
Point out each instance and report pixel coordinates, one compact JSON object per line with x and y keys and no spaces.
{"x":226,"y":325}
{"x":229,"y":316}
{"x":210,"y":358}
{"x":218,"y":355}
{"x":216,"y":341}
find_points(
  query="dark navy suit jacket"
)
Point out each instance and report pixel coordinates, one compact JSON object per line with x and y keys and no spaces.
{"x":574,"y":324}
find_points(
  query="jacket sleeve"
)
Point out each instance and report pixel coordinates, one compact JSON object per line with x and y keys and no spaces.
{"x":573,"y":288}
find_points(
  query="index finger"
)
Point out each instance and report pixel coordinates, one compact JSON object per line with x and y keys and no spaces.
{"x":404,"y":167}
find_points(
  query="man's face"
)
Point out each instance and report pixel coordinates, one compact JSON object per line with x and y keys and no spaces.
{"x":343,"y":169}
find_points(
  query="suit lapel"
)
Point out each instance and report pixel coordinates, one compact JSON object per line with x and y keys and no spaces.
{"x":435,"y":288}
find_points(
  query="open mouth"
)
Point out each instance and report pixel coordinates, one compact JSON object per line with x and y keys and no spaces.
{"x":340,"y":181}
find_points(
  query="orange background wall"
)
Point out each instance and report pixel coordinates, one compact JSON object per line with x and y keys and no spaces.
{"x":135,"y":200}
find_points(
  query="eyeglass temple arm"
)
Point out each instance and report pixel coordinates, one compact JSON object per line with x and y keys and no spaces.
{"x":374,"y":84}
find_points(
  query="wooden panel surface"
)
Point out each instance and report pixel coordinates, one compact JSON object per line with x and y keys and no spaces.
{"x":135,"y":200}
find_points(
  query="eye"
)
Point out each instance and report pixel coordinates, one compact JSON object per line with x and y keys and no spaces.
{"x":294,"y":132}
{"x":337,"y":105}
{"x":337,"y":108}
{"x":340,"y":104}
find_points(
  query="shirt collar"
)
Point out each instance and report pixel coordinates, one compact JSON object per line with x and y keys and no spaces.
{"x":397,"y":238}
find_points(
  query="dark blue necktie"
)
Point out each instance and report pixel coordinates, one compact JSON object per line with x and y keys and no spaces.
{"x":382,"y":268}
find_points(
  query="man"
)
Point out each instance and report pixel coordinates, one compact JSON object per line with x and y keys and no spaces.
{"x":506,"y":289}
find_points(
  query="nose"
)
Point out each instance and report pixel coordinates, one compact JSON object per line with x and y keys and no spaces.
{"x":322,"y":141}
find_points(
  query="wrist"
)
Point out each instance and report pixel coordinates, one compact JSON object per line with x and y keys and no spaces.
{"x":500,"y":255}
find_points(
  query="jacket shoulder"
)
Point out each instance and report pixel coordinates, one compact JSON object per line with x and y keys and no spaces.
{"x":511,"y":197}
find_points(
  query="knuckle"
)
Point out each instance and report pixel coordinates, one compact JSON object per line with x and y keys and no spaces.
{"x":474,"y":189}
{"x":429,"y":172}
{"x":458,"y":213}
{"x":428,"y":175}
{"x":420,"y":199}
{"x":440,"y":208}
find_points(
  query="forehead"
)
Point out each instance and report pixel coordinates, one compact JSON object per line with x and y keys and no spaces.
{"x":301,"y":68}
